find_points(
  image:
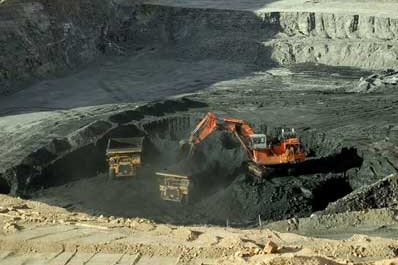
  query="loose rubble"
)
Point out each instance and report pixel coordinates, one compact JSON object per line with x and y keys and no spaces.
{"x":381,"y":194}
{"x":377,"y":82}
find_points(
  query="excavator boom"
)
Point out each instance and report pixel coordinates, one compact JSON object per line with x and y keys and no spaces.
{"x":204,"y":128}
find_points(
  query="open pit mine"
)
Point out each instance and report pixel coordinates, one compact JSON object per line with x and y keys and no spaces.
{"x":199,"y":132}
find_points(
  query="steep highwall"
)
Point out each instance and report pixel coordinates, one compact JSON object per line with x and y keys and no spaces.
{"x":269,"y":38}
{"x":339,"y":40}
{"x":41,"y":38}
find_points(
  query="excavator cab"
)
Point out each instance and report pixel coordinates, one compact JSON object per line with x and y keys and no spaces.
{"x":258,"y":141}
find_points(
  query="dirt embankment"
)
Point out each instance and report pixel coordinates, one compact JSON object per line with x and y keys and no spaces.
{"x":81,"y":153}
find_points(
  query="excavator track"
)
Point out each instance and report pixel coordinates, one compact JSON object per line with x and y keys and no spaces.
{"x":260,"y":173}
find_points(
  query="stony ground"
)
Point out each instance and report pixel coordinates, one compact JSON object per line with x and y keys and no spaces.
{"x":316,"y":103}
{"x":33,"y":233}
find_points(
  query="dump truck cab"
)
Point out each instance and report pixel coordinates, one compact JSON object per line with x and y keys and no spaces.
{"x":124,"y":156}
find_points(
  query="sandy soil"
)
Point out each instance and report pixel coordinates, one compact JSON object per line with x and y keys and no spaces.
{"x":34,"y":232}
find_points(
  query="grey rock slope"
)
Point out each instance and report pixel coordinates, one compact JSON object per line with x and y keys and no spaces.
{"x":40,"y":38}
{"x":380,"y":194}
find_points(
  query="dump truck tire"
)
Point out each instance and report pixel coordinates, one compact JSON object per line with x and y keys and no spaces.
{"x":184,"y":200}
{"x":111,"y":174}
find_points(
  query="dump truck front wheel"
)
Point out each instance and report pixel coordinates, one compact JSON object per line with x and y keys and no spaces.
{"x":111,"y":174}
{"x":184,"y":200}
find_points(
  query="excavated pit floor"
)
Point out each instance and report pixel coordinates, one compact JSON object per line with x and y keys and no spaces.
{"x":346,"y":129}
{"x":222,"y":193}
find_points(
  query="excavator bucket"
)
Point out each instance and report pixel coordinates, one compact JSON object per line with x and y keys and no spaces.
{"x":186,"y":148}
{"x":174,"y":187}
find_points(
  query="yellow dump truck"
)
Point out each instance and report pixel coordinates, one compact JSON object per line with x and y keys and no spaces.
{"x":174,"y":187}
{"x":124,"y":156}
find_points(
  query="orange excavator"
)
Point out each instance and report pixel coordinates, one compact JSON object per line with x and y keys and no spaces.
{"x":265,"y":154}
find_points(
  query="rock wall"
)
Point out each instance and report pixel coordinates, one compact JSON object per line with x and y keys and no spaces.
{"x":265,"y":39}
{"x":380,"y":194}
{"x":340,"y":40}
{"x":40,"y":38}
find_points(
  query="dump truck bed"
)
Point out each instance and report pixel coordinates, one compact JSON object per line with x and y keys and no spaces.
{"x":124,"y":156}
{"x":124,"y":145}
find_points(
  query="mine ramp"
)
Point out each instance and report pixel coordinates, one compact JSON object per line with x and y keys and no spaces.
{"x":174,"y":187}
{"x":124,"y":156}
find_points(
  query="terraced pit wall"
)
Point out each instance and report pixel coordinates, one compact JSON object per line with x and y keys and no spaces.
{"x":268,"y":38}
{"x":42,"y":38}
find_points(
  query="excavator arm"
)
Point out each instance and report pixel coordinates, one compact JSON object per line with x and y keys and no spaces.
{"x":239,"y":128}
{"x":175,"y":186}
{"x":210,"y":123}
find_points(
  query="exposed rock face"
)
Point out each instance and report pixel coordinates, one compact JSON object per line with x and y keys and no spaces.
{"x":276,"y":37}
{"x":382,"y":193}
{"x":41,"y":38}
{"x":340,"y":40}
{"x":44,"y":37}
{"x":377,"y":82}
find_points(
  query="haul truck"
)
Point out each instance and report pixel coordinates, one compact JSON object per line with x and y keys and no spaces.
{"x":174,"y":187}
{"x":124,"y":156}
